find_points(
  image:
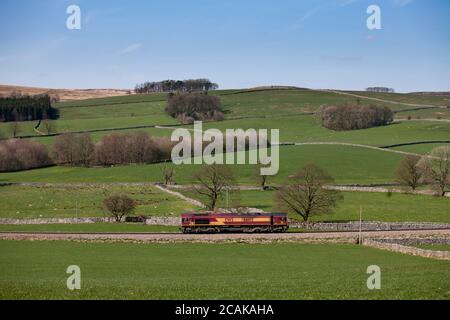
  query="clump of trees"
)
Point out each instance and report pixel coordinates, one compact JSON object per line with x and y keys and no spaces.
{"x":137,"y":147}
{"x":78,"y":150}
{"x":436,"y":169}
{"x":73,"y":149}
{"x":18,"y":155}
{"x":194,"y":106}
{"x":306,"y":194}
{"x":432,"y":169}
{"x":112,"y":149}
{"x":176,"y":86}
{"x":119,"y":206}
{"x":27,"y":108}
{"x":354,"y":117}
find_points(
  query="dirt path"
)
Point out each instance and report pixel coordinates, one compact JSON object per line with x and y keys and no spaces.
{"x":181,"y":196}
{"x":345,"y":237}
{"x":383,"y":100}
{"x":357,"y":146}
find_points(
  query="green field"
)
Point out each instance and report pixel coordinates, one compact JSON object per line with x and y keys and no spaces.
{"x":88,"y":227}
{"x":376,"y":206}
{"x":284,"y":109}
{"x":419,"y":148}
{"x":421,"y":99}
{"x":306,"y":129}
{"x":37,"y":270}
{"x":147,"y":110}
{"x":347,"y":164}
{"x":72,"y":202}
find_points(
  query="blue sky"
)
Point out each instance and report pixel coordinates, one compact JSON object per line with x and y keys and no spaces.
{"x":236,"y":43}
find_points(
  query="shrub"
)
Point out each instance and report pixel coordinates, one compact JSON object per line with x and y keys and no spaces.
{"x":18,"y":155}
{"x":119,"y":206}
{"x":137,"y":147}
{"x":354,"y":117}
{"x":73,"y":149}
{"x":194,"y":106}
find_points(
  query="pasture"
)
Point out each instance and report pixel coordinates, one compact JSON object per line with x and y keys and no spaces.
{"x":37,"y":270}
{"x":146,"y":110}
{"x":346,"y":163}
{"x":85,"y":201}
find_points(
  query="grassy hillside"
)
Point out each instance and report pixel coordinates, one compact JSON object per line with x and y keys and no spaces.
{"x":75,"y":202}
{"x":285,"y":109}
{"x":140,"y":110}
{"x":347,"y":164}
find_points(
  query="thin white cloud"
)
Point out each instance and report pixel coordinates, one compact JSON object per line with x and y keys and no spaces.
{"x":308,"y":14}
{"x":402,"y":3}
{"x":131,"y":48}
{"x":345,"y":3}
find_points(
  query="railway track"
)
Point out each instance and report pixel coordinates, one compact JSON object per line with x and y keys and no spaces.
{"x":336,"y":236}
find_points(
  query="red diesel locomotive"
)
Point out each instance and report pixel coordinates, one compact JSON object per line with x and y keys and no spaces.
{"x":250,"y":222}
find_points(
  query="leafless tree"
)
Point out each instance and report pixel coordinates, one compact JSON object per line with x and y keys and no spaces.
{"x":436,"y":167}
{"x":306,"y":195}
{"x":409,"y":172}
{"x":49,"y":126}
{"x":119,"y":206}
{"x":354,"y":117}
{"x":262,"y":178}
{"x":73,"y":149}
{"x":22,"y":154}
{"x":14,"y":129}
{"x":168,"y":172}
{"x":212,"y":181}
{"x":135,"y":147}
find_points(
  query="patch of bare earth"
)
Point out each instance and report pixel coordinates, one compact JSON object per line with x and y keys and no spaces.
{"x":64,"y":94}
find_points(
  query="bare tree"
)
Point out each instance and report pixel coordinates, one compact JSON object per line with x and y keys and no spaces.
{"x":73,"y":149}
{"x":168,"y":172}
{"x":119,"y":206}
{"x":22,"y":154}
{"x":49,"y":126}
{"x":306,"y":195}
{"x":134,"y":147}
{"x":212,"y":181}
{"x":14,"y":129}
{"x":436,"y":168}
{"x":262,"y":178}
{"x":409,"y":172}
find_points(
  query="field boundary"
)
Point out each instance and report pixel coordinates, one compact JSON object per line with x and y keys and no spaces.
{"x":425,"y":106}
{"x":395,"y":247}
{"x":312,"y":237}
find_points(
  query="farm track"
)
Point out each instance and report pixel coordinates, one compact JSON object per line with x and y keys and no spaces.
{"x":385,"y":100}
{"x":347,"y":236}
